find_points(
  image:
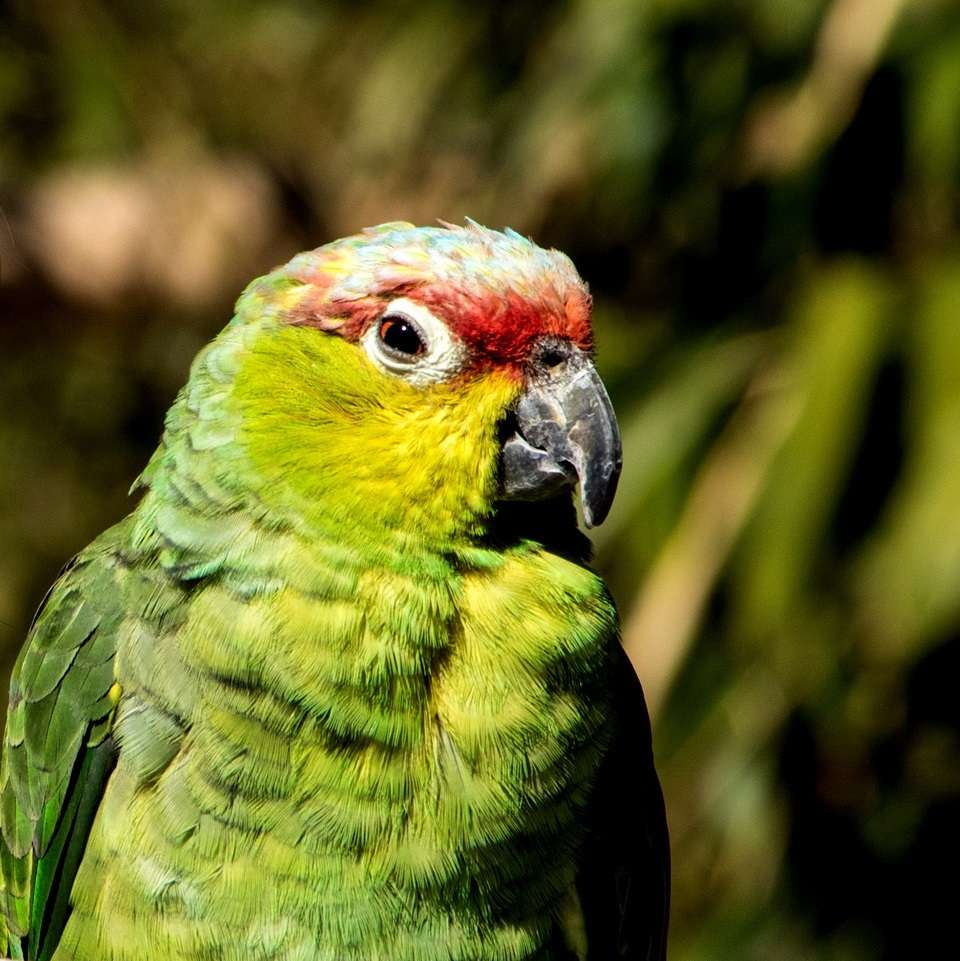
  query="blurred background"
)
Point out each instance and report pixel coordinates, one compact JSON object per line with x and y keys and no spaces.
{"x":763,"y":196}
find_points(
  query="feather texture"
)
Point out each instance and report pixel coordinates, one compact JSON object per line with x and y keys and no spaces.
{"x":322,"y":696}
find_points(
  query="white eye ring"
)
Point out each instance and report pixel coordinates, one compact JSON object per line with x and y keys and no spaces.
{"x":442,"y":355}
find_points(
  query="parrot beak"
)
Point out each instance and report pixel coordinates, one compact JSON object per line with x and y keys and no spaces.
{"x":564,"y":431}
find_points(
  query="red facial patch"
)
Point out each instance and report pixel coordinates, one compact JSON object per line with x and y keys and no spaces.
{"x":498,"y":330}
{"x":497,"y":310}
{"x":502,"y":329}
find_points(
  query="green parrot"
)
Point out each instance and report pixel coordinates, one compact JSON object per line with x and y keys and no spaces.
{"x":343,"y":686}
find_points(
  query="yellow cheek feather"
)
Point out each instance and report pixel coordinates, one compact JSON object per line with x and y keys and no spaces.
{"x":334,"y":438}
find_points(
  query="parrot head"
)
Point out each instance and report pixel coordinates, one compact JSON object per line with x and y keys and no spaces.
{"x":418,"y":377}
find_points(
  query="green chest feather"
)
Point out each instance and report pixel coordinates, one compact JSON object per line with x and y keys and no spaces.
{"x":337,"y":760}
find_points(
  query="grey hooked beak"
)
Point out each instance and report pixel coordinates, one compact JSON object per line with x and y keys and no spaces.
{"x":565,"y":432}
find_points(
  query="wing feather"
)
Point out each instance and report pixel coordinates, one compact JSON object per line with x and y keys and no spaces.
{"x":624,"y":882}
{"x":57,"y":748}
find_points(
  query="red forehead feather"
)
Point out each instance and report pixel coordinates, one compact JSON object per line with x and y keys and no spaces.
{"x":504,"y":327}
{"x":496,"y":320}
{"x":497,"y":327}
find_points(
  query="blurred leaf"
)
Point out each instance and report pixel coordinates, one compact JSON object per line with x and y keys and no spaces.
{"x":934,"y":145}
{"x":910,"y":575}
{"x":672,"y":599}
{"x":837,"y":338}
{"x":673,"y":420}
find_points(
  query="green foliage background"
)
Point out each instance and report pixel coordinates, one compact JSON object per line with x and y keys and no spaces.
{"x":763,"y":195}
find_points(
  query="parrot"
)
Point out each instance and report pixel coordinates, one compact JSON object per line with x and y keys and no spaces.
{"x":343,"y":686}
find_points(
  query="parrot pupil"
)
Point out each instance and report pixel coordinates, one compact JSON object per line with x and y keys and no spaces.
{"x":401,"y":336}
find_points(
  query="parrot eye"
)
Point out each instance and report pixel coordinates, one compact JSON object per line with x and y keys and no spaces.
{"x":400,"y":335}
{"x":409,"y":341}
